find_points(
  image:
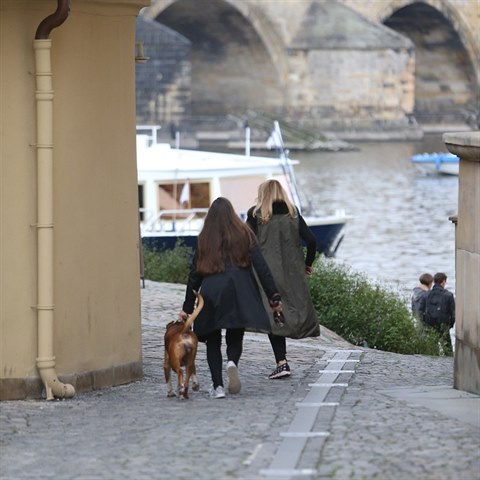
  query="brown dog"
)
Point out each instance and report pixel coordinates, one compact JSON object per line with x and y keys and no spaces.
{"x":180,"y":351}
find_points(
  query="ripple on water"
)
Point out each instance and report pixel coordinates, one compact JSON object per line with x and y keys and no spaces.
{"x":401,"y":227}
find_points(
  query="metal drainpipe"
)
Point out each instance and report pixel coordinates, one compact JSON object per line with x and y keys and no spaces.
{"x":44,"y":145}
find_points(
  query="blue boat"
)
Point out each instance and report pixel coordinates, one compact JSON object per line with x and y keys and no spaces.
{"x":444,"y":162}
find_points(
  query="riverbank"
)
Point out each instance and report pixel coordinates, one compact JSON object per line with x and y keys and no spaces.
{"x":229,"y":133}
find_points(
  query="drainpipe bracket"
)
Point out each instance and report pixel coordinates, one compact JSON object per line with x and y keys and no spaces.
{"x":42,"y":225}
{"x":45,"y":362}
{"x":43,"y":307}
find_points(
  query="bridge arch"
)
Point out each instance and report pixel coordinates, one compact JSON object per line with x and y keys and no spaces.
{"x":237,"y":46}
{"x":231,"y":42}
{"x":453,"y":15}
{"x":445,"y":89}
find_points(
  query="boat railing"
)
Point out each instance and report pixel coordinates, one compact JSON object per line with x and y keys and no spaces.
{"x":174,"y":220}
{"x":150,"y":132}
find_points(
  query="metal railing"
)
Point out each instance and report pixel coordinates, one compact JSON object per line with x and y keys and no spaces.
{"x":173,"y":220}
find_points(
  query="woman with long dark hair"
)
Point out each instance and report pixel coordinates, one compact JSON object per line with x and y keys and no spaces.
{"x":222,"y":267}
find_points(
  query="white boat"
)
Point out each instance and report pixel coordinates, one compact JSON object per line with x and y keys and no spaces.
{"x":443,"y":162}
{"x":176,"y":187}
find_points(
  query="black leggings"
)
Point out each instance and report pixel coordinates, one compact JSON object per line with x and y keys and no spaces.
{"x":279,"y":346}
{"x":234,"y":340}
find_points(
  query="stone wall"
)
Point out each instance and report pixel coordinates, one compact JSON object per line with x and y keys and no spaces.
{"x":467,"y":288}
{"x":328,"y":68}
{"x":93,"y":274}
{"x":370,"y":86}
{"x":163,"y":83}
{"x":248,"y":55}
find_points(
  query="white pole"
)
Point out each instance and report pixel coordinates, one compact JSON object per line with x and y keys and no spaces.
{"x":288,"y":166}
{"x":247,"y":139}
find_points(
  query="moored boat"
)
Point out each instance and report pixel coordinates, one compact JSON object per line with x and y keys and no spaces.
{"x":444,"y":162}
{"x":176,"y":187}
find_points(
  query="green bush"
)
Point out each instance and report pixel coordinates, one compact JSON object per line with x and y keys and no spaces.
{"x":170,"y":266}
{"x":366,"y":314}
{"x":346,"y":302}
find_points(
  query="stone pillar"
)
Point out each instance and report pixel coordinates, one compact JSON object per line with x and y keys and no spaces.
{"x":467,"y":248}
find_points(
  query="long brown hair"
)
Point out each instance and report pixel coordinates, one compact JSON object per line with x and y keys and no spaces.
{"x":269,"y":192}
{"x":224,"y":240}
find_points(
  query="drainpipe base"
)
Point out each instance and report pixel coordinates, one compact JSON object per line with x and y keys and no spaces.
{"x":53,"y":386}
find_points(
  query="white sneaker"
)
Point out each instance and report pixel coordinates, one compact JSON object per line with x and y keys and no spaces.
{"x":234,"y":384}
{"x":218,"y":392}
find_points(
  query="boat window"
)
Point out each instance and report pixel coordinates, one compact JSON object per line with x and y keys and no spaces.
{"x":141,"y":202}
{"x":183,"y":195}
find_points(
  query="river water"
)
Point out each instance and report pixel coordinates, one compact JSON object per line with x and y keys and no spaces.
{"x":400,"y":227}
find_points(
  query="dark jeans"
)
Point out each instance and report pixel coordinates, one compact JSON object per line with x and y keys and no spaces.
{"x":234,"y":340}
{"x":279,"y":346}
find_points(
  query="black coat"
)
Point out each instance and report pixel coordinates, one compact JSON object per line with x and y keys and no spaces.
{"x":447,"y":308}
{"x":232,"y":298}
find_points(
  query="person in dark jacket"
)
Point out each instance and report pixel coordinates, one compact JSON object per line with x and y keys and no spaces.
{"x":438,"y":307}
{"x":445,"y":309}
{"x":222,"y":267}
{"x":279,"y":228}
{"x":419,"y":292}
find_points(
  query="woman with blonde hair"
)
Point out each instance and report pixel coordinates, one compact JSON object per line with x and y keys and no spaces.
{"x":226,"y":254}
{"x":280,"y":229}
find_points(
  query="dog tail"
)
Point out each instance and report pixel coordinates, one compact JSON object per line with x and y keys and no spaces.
{"x":194,"y":315}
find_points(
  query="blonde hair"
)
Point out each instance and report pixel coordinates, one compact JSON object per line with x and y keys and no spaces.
{"x":269,"y":192}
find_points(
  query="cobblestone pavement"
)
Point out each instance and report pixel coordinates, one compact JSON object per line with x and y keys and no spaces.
{"x":362,"y":430}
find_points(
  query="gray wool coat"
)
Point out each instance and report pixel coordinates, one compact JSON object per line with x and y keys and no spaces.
{"x":280,"y":243}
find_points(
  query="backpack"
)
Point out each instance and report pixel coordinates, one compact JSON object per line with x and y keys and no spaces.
{"x":436,"y":308}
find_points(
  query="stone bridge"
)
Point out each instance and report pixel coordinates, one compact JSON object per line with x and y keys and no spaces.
{"x":351,"y":66}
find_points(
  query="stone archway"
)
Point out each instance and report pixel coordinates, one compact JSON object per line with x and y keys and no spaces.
{"x":232,"y":52}
{"x":446,"y":79}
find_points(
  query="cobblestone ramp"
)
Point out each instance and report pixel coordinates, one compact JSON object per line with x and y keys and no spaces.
{"x":135,"y":432}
